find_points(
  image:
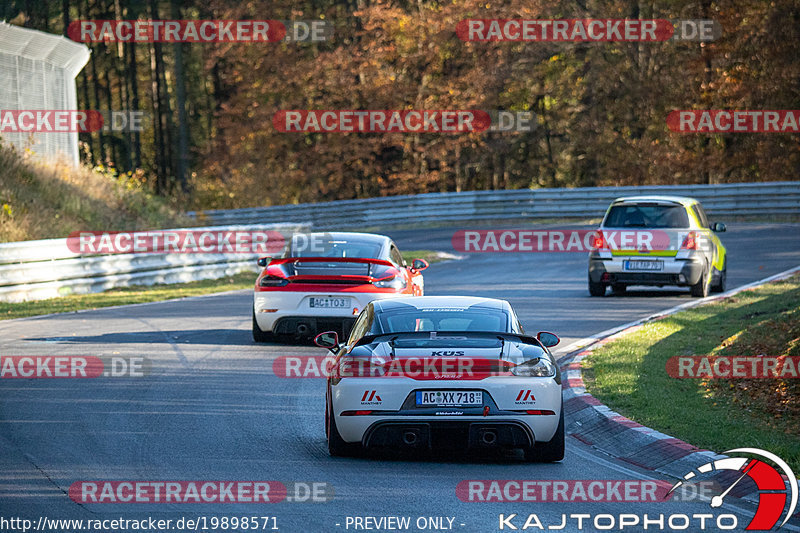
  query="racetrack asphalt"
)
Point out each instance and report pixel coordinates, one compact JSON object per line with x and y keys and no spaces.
{"x":212,"y":409}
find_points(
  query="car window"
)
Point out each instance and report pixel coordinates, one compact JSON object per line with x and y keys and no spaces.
{"x":337,"y":248}
{"x":395,"y":256}
{"x":442,"y":319}
{"x":361,"y":326}
{"x":646,"y":216}
{"x":701,"y":215}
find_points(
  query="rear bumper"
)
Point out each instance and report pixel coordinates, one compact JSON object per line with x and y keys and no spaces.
{"x":391,"y":409}
{"x":284,"y":311}
{"x":680,"y":272}
{"x":448,"y":434}
{"x":307,"y":325}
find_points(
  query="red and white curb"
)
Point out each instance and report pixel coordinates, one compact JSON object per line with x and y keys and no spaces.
{"x":597,"y":425}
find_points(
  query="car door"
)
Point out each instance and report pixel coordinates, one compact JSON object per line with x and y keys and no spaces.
{"x":714,"y":254}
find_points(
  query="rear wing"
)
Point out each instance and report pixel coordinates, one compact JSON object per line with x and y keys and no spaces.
{"x":379,"y":269}
{"x":364,"y":260}
{"x":455,"y":335}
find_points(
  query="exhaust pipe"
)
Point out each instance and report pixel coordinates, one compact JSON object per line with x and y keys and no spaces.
{"x":302,"y":329}
{"x":488,"y":437}
{"x":410,"y":437}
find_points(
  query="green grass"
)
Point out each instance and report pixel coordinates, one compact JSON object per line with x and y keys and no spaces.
{"x":49,"y":199}
{"x":154,"y":293}
{"x":125,"y":296}
{"x":629,"y":374}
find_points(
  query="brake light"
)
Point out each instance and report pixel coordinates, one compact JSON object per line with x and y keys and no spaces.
{"x":356,"y":413}
{"x":599,"y":242}
{"x":690,"y":242}
{"x":539,"y":412}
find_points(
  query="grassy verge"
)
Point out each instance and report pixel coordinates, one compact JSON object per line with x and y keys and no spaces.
{"x":125,"y":296}
{"x":629,"y":374}
{"x":43,"y":199}
{"x":155,"y":293}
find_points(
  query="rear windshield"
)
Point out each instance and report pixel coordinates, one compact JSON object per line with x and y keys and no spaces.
{"x":646,"y":216}
{"x":333,"y":248}
{"x":442,"y":319}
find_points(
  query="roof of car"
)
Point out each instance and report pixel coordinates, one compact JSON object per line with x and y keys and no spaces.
{"x":432,"y":302}
{"x":351,"y":236}
{"x":683,"y":200}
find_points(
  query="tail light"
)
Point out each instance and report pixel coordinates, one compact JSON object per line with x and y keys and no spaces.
{"x":396,"y":282}
{"x":690,"y":242}
{"x":273,"y":281}
{"x":540,"y":367}
{"x":599,"y":242}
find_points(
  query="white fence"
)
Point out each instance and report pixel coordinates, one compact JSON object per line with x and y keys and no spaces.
{"x":36,"y":270}
{"x":37,"y":71}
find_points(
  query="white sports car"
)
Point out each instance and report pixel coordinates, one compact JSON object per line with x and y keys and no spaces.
{"x":325,"y":279}
{"x":443,"y":372}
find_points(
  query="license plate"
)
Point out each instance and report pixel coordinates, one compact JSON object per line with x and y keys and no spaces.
{"x":644,"y":265}
{"x":332,"y":303}
{"x":443,"y":398}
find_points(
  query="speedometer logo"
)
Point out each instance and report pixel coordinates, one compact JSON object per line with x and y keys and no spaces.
{"x":772,"y":491}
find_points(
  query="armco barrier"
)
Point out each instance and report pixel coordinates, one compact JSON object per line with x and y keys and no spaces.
{"x":723,"y":200}
{"x":36,"y":270}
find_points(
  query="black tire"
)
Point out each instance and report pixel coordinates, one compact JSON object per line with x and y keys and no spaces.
{"x":702,"y":287}
{"x":551,"y":451}
{"x":619,"y":288}
{"x":722,"y":279}
{"x":597,"y":289}
{"x":337,"y":446}
{"x":261,"y":336}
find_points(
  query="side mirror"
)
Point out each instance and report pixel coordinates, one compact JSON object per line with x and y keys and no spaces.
{"x":718,"y":227}
{"x":263,"y":261}
{"x":329,"y":340}
{"x":548,"y":339}
{"x":419,"y":265}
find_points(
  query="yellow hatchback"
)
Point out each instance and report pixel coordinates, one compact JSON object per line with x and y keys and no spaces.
{"x":657,"y":241}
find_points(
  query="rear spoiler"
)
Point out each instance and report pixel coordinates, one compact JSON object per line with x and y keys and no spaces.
{"x":331,"y":260}
{"x":345,"y":260}
{"x":434,"y":335}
